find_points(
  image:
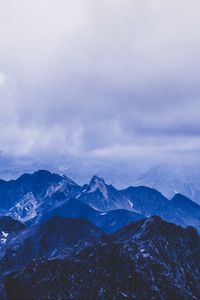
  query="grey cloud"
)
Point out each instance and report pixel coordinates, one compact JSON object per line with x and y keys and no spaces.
{"x":101,"y":79}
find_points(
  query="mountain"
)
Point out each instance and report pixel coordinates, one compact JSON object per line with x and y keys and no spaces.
{"x":150,"y":202}
{"x":108,"y":221}
{"x":31,"y":194}
{"x":32,"y":197}
{"x":170,"y":179}
{"x":96,"y":241}
{"x":57,"y":237}
{"x":187,"y":208}
{"x":35,"y":197}
{"x":142,"y":261}
{"x":102,"y":197}
{"x":140,"y":200}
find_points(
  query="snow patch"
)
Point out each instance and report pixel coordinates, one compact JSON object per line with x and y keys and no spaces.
{"x":130,"y":203}
{"x":25,"y":209}
{"x":5,"y":234}
{"x":4,"y":237}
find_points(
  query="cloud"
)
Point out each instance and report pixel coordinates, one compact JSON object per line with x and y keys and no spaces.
{"x":102,"y":79}
{"x":2,"y":78}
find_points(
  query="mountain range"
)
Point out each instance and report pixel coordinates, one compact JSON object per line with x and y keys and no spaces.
{"x":169,"y":178}
{"x":33,"y":198}
{"x":61,"y":240}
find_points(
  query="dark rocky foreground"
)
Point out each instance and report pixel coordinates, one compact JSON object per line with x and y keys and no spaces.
{"x":150,"y":259}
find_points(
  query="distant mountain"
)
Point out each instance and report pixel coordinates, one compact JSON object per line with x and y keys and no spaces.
{"x":150,"y":259}
{"x":116,"y":173}
{"x":31,"y":194}
{"x":170,"y":179}
{"x":80,"y":170}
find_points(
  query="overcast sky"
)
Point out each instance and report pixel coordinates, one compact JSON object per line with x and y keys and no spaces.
{"x":104,"y":79}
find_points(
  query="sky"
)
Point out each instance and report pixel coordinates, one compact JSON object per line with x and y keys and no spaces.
{"x":114,"y":79}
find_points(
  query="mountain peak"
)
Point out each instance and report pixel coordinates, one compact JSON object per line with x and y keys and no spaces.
{"x":96,"y":179}
{"x":184,"y":202}
{"x":42,"y":172}
{"x":97,"y":183}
